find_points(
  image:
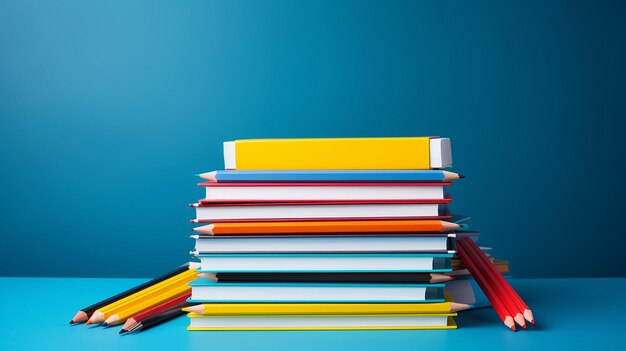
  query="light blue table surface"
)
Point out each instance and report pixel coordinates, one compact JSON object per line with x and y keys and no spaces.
{"x":573,"y":314}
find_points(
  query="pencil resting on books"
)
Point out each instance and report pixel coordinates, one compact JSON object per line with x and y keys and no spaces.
{"x":318,"y":176}
{"x":324,"y":227}
{"x":85,"y":313}
{"x":235,"y":309}
{"x":181,"y":279}
{"x":176,"y":302}
{"x":494,"y":272}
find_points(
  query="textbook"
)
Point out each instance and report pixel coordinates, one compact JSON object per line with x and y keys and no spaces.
{"x":205,"y":290}
{"x":324,"y":322}
{"x":332,"y":176}
{"x":232,"y":192}
{"x":338,"y":154}
{"x":372,"y":243}
{"x":351,"y":262}
{"x":213,"y":212}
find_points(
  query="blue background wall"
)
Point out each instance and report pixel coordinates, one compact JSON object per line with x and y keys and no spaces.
{"x":108,"y":108}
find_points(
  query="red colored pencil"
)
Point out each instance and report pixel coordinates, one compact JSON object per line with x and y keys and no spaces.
{"x":487,"y":289}
{"x":180,"y":300}
{"x":508,"y":302}
{"x":521,"y":305}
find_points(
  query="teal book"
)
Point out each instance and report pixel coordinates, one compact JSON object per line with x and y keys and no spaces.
{"x":205,"y":290}
{"x":340,"y":262}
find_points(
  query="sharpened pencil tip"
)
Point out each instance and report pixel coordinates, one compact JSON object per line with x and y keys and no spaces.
{"x":461,"y":176}
{"x":533,"y":321}
{"x":123,"y":331}
{"x":105,"y":324}
{"x":88,"y":322}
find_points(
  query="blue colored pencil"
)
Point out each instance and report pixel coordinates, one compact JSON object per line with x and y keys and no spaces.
{"x":330,"y":176}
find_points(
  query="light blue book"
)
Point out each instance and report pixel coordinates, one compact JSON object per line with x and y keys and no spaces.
{"x":229,"y":176}
{"x":205,"y":290}
{"x":338,"y":262}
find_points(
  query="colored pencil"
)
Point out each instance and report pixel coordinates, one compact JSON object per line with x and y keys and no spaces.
{"x":375,"y":226}
{"x":480,"y":260}
{"x":85,"y":313}
{"x":383,"y":278}
{"x":234,"y":309}
{"x":156,"y":319}
{"x":268,"y":176}
{"x":521,"y":305}
{"x":498,"y":306}
{"x":122,"y":313}
{"x":103,"y":313}
{"x":179,"y":302}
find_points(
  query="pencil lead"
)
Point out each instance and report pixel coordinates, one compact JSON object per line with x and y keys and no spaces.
{"x":461,"y":176}
{"x":88,"y":322}
{"x":123,"y":331}
{"x":104,"y":325}
{"x":72,"y":322}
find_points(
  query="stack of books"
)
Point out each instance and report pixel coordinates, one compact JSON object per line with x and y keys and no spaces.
{"x":328,"y":234}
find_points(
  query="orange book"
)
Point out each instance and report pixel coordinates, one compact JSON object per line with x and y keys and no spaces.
{"x":328,"y":227}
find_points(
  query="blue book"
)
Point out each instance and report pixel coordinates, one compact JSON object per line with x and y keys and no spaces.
{"x":205,"y":290}
{"x":229,"y":176}
{"x":316,"y":262}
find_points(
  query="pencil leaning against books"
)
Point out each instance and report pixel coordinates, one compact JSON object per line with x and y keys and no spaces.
{"x":505,"y":300}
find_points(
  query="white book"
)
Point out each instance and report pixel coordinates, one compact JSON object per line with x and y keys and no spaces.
{"x":322,"y":191}
{"x":256,"y":211}
{"x":321,"y":243}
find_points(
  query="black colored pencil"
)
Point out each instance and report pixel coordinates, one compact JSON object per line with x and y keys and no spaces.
{"x":155,"y":320}
{"x":399,"y":278}
{"x":84,"y":314}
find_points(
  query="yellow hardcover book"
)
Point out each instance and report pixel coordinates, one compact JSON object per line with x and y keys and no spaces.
{"x":323,"y":322}
{"x":338,"y":154}
{"x":217,"y":309}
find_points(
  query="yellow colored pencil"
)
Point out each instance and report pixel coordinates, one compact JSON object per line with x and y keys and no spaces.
{"x":324,"y":308}
{"x":141,"y":305}
{"x":101,"y":314}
